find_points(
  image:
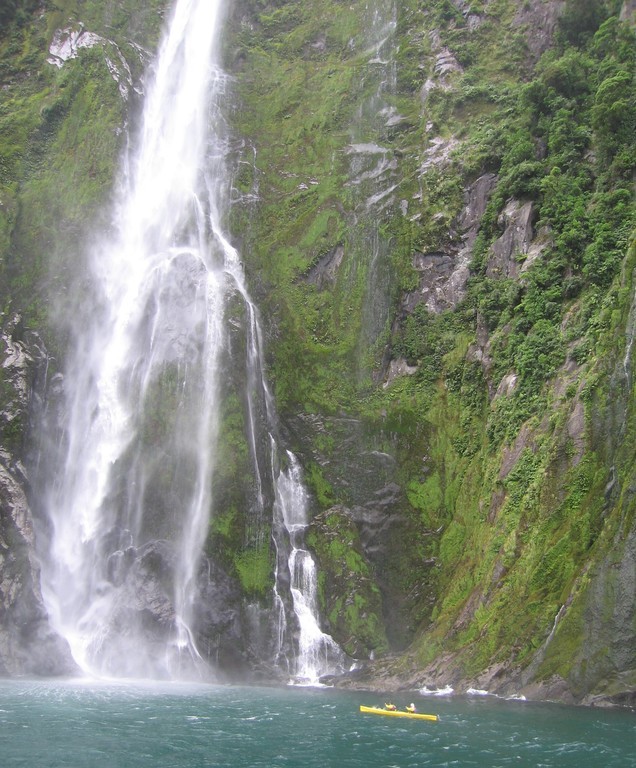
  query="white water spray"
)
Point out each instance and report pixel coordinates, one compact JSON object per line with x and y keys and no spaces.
{"x":318,"y":654}
{"x":142,"y":386}
{"x":129,"y":509}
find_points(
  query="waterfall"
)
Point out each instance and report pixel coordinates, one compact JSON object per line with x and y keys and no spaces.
{"x":140,"y":417}
{"x":295,"y":601}
{"x":318,"y":654}
{"x":131,"y":498}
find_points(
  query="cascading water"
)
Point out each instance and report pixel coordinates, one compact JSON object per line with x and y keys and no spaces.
{"x":130,"y":506}
{"x":141,"y":387}
{"x":318,"y":654}
{"x":314,"y":653}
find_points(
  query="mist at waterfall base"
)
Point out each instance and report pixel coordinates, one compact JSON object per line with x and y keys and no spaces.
{"x":166,"y":331}
{"x":67,"y":725}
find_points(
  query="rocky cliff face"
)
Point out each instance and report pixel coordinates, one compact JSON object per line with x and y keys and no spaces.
{"x":434,"y":204}
{"x":481,"y":402}
{"x":27,"y":643}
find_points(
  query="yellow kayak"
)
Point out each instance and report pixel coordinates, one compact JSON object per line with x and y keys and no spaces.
{"x":397,"y":713}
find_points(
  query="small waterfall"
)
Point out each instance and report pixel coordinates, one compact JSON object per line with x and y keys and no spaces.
{"x":131,"y":497}
{"x":318,"y":654}
{"x":295,"y":612}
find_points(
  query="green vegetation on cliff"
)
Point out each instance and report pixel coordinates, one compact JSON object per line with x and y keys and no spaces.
{"x":500,"y":431}
{"x":434,"y":203}
{"x":60,"y":141}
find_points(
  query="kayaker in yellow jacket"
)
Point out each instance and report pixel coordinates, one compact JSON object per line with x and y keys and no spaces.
{"x":390,"y":707}
{"x":411,"y":708}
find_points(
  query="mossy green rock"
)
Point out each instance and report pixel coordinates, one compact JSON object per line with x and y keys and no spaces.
{"x":436,"y":220}
{"x":349,"y":596}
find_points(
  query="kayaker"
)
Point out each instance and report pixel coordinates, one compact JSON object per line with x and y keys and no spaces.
{"x":411,"y":708}
{"x":390,"y":707}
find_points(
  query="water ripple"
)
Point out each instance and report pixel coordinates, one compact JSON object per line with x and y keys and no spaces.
{"x":72,"y":725}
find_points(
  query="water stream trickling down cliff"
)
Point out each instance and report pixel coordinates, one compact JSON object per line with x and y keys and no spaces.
{"x":131,"y":503}
{"x":373,"y":169}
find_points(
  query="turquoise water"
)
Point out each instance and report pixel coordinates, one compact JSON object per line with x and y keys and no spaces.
{"x":82,"y":725}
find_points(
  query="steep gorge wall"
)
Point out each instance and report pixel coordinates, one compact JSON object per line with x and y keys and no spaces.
{"x":462,"y":452}
{"x":419,"y":198}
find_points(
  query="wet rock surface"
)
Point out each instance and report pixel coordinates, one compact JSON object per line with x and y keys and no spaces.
{"x":374,"y":513}
{"x":28,"y":645}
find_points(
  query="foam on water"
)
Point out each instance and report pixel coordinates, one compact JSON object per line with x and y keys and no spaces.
{"x":46,"y":725}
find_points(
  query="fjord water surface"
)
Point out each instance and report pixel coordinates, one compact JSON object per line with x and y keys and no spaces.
{"x":132,"y":725}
